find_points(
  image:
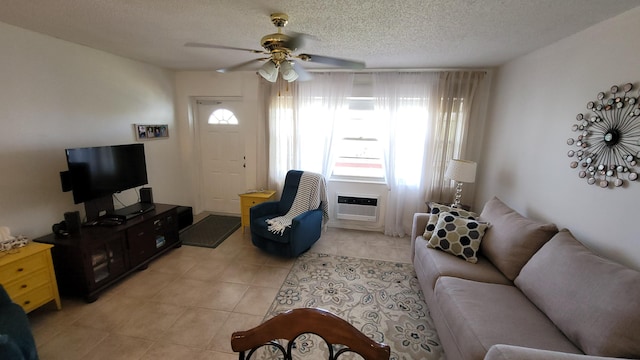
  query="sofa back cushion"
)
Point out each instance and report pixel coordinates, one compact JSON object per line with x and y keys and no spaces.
{"x":592,"y":300}
{"x":512,"y":238}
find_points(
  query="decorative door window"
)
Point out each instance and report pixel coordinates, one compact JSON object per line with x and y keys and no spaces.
{"x":223,"y":117}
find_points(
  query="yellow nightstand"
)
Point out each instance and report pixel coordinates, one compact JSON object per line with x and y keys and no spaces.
{"x":250,"y":199}
{"x":28,"y":276}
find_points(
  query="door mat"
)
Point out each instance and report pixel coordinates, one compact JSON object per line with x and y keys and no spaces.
{"x":210,"y":231}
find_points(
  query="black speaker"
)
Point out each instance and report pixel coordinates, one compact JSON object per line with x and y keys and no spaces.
{"x":72,"y":220}
{"x":65,"y":180}
{"x":146,"y":195}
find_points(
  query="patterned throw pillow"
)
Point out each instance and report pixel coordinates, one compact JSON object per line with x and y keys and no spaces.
{"x":458,"y":236}
{"x":437,"y":209}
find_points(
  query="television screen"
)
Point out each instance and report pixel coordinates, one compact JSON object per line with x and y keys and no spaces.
{"x":97,"y":172}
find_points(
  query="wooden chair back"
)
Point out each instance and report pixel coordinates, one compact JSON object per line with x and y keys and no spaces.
{"x":293,"y":323}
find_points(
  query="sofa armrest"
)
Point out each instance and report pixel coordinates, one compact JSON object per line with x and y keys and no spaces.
{"x":4,"y":297}
{"x":264,"y":209}
{"x":311,"y":214}
{"x":16,"y":339}
{"x":419,"y":224}
{"x":511,"y":352}
{"x":308,"y":224}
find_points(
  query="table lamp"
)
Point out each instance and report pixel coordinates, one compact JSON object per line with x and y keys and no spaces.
{"x":461,"y":171}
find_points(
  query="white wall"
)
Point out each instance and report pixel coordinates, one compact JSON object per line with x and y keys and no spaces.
{"x":56,"y":95}
{"x":533,"y":105}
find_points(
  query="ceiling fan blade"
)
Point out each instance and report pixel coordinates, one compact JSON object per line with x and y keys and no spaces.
{"x":297,"y":40}
{"x":303,"y":74}
{"x":210,"y":46}
{"x":240,"y":66}
{"x":343,"y":63}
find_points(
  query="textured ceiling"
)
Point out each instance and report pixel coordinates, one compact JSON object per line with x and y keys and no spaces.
{"x":383,"y":33}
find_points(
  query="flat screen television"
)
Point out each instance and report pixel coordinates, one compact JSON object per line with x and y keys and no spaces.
{"x":97,"y":172}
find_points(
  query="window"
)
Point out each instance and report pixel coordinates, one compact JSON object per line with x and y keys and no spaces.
{"x":222,"y":117}
{"x":359,"y":151}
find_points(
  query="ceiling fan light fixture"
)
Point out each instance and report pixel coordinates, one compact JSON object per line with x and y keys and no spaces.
{"x":288,"y":73}
{"x":269,"y":71}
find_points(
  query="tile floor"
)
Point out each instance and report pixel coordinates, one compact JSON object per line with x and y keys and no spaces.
{"x":187,"y":303}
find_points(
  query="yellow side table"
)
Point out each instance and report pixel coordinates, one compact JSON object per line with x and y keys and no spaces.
{"x":28,"y":276}
{"x":247,"y":200}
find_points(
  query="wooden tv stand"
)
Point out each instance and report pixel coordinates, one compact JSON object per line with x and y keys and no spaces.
{"x":88,"y":262}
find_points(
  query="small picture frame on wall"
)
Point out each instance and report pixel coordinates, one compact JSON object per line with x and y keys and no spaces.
{"x":151,"y":132}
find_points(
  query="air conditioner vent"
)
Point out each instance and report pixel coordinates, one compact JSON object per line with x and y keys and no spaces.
{"x":357,"y":207}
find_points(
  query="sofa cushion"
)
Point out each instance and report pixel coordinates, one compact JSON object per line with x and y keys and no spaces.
{"x":458,"y":236}
{"x":478,"y":315}
{"x":260,"y":227}
{"x":430,"y":264}
{"x":594,"y":301}
{"x":510,"y":352}
{"x":512,"y":238}
{"x":436,"y":209}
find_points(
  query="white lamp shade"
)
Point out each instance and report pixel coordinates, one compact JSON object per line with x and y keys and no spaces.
{"x":288,"y":73}
{"x":269,"y":71}
{"x":461,"y":171}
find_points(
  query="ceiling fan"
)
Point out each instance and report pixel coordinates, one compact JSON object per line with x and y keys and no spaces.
{"x":281,"y":47}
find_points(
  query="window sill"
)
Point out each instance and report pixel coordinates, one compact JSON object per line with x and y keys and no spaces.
{"x":358,"y":180}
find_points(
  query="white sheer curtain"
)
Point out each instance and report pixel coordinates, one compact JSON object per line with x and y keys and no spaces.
{"x":404,"y":101}
{"x":456,"y":94}
{"x":281,"y":131}
{"x":427,"y":116}
{"x":301,"y":123}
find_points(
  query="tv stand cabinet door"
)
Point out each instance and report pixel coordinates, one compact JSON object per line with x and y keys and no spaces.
{"x":142,"y":242}
{"x":107,"y":260}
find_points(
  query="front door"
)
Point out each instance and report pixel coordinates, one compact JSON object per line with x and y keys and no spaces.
{"x":222,"y":154}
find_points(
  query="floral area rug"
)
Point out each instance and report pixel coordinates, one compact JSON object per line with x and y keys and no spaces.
{"x":382,"y":299}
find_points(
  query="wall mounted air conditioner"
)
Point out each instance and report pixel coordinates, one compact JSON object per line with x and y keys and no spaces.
{"x":357,"y":207}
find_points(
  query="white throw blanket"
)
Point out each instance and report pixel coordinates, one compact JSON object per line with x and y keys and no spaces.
{"x":312,"y":191}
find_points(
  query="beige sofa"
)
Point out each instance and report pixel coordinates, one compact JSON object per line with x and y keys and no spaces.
{"x":534,"y":293}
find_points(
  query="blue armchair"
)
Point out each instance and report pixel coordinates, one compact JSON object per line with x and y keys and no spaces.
{"x":305,"y":228}
{"x":16,"y":339}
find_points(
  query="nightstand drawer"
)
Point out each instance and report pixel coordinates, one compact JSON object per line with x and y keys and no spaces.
{"x":248,"y":203}
{"x":23,"y":267}
{"x":27,"y":283}
{"x":34,"y":298}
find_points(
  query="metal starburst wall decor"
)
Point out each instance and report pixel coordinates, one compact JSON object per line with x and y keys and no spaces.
{"x":607,"y":146}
